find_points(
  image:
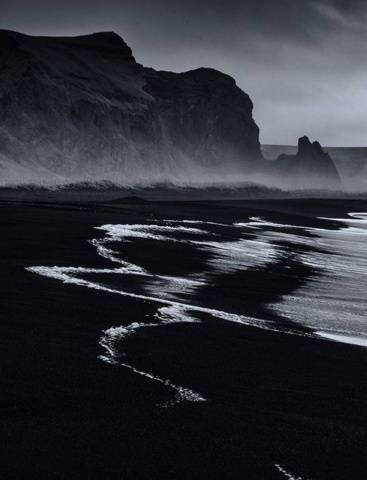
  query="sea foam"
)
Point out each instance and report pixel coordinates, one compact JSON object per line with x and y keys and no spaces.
{"x":259,"y":250}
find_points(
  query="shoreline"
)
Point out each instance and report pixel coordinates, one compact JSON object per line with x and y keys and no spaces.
{"x":273,"y":399}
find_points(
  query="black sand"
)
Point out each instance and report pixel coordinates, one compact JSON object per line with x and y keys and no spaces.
{"x":273,"y":398}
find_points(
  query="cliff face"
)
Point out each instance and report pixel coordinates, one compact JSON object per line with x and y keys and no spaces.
{"x":311,"y":167}
{"x":82,"y":109}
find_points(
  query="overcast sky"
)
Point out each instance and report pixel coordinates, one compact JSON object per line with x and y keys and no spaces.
{"x":303,"y":62}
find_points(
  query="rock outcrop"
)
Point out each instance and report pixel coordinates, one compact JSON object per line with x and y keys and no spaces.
{"x":310,"y":168}
{"x":82,"y":109}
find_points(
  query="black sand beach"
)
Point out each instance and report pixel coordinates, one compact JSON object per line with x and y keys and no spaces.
{"x":277,"y":404}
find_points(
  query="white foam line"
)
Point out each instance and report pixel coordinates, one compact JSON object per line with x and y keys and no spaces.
{"x":184,"y":285}
{"x":111,"y":255}
{"x":197,"y":222}
{"x":165,"y":316}
{"x":62,"y":274}
{"x":151,"y":232}
{"x":174,"y":311}
{"x":353,"y":224}
{"x":257,"y":222}
{"x":247,"y":252}
{"x":107,"y":341}
{"x":350,"y":339}
{"x":182,"y":393}
{"x":286,"y":474}
{"x":260,"y":222}
{"x":358,"y":217}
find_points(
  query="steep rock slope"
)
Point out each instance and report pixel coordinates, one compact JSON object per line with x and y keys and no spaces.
{"x":82,"y":109}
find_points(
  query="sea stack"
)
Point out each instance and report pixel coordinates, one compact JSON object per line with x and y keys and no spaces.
{"x":310,"y":168}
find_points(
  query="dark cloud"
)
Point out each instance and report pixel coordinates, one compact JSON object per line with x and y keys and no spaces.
{"x":302,"y":61}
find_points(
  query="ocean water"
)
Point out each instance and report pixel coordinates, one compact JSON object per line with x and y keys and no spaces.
{"x":149,"y":262}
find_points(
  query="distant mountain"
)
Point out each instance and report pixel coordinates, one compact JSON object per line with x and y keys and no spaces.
{"x":82,"y":109}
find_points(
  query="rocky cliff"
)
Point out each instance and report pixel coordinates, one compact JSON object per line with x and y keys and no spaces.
{"x":310,"y":167}
{"x":82,"y":109}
